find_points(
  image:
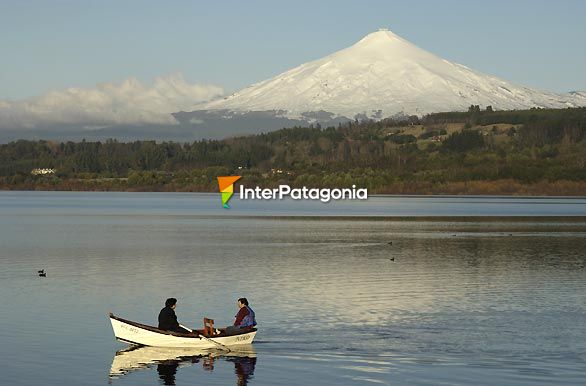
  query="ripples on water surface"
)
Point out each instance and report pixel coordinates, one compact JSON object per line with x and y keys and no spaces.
{"x":463,"y":302}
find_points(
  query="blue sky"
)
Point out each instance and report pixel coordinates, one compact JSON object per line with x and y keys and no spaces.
{"x":51,"y":45}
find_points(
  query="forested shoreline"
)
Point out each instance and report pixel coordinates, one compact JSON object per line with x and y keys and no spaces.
{"x":529,"y":152}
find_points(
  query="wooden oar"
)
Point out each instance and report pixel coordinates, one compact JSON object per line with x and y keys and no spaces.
{"x":224,"y":347}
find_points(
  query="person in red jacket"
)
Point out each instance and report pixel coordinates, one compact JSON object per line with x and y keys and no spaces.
{"x":245,"y":318}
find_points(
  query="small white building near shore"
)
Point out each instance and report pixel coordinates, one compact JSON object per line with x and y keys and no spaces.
{"x":42,"y":172}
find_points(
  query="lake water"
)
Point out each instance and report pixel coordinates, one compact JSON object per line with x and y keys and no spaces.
{"x":466,"y":300}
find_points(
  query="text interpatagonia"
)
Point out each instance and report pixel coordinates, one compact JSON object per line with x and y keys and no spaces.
{"x":304,"y":193}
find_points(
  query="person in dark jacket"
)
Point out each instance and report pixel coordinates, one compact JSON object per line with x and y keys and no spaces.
{"x":168,"y":319}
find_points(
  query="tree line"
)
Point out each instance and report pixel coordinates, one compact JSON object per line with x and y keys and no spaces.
{"x":490,"y":150}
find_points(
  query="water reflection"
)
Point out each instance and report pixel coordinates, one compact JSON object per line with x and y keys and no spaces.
{"x":169,"y":360}
{"x":167,"y":371}
{"x":244,"y":368}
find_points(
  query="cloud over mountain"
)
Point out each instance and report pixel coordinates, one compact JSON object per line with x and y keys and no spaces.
{"x":126,"y":103}
{"x":381,"y":75}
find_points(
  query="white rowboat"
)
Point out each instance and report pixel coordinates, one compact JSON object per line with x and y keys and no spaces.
{"x":141,"y":334}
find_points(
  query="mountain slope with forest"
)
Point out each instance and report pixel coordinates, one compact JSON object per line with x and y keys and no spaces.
{"x":536,"y":152}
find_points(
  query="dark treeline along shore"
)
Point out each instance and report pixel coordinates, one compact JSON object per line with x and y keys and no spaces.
{"x":529,"y":152}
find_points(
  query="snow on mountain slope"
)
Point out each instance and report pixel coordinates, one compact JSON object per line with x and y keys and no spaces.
{"x":383,"y":75}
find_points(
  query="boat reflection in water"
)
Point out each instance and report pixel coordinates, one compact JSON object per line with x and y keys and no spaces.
{"x":169,"y":360}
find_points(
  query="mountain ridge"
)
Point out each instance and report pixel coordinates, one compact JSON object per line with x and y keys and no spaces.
{"x":381,"y":76}
{"x":385,"y":75}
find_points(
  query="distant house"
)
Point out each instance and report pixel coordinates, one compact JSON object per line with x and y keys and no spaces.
{"x":280,"y":172}
{"x":42,"y":172}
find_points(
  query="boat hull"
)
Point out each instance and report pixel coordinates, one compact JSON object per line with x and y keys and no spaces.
{"x":135,"y":333}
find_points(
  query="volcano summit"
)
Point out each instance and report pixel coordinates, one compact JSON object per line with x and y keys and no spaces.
{"x":382,"y":75}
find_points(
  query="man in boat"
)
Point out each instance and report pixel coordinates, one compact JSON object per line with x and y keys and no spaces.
{"x":245,"y":318}
{"x":168,"y":319}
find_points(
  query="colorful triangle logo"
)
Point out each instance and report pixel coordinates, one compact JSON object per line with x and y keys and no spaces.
{"x":226,"y":184}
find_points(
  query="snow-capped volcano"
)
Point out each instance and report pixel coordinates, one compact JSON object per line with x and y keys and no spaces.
{"x":383,"y":75}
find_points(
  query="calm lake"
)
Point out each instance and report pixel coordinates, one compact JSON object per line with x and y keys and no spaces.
{"x":454,"y":300}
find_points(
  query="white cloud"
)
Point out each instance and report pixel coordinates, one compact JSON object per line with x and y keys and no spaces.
{"x":129,"y":102}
